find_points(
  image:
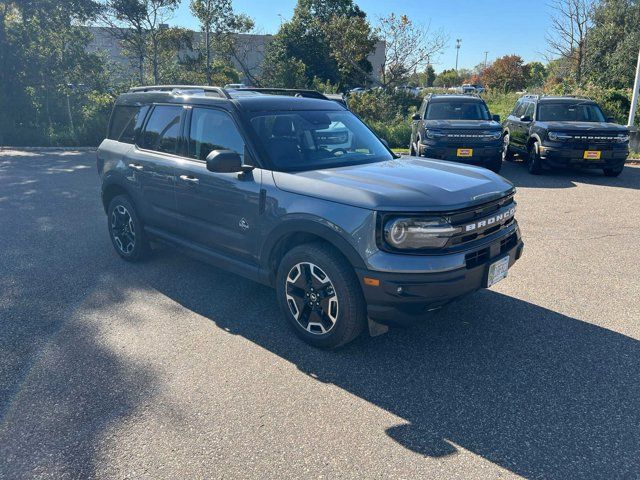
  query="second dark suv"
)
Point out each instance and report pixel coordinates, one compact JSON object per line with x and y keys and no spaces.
{"x":299,"y":194}
{"x":458,"y":128}
{"x":566,"y":131}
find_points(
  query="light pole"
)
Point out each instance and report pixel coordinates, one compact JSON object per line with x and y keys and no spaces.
{"x":458,"y":42}
{"x":634,"y":98}
{"x":485,"y":59}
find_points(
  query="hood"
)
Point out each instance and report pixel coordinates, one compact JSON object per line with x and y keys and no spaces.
{"x":584,"y":127}
{"x":462,"y":124}
{"x":407,"y":184}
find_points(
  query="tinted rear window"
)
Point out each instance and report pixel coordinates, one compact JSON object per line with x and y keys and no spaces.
{"x":124,"y":120}
{"x":163,"y":129}
{"x":457,"y":110}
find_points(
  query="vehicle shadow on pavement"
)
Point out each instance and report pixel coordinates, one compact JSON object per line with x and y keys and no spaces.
{"x":517,"y":172}
{"x":534,"y":391}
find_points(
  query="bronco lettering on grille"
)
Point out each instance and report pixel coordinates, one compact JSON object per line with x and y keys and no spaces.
{"x":500,"y":217}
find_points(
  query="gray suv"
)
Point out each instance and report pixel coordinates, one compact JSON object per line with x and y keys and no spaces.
{"x":299,"y":194}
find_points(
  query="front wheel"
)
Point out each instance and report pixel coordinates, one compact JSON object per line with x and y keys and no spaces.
{"x":507,"y":154}
{"x":320,"y":296}
{"x":612,"y":172}
{"x":535,"y":162}
{"x":495,"y":164}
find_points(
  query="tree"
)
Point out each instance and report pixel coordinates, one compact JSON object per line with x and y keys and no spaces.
{"x":506,"y":73}
{"x":218,"y":22}
{"x":536,"y":74}
{"x":138,"y":24}
{"x":567,"y":38}
{"x":325,"y":39}
{"x":408,"y":47}
{"x":614,"y":41}
{"x":447,"y":78}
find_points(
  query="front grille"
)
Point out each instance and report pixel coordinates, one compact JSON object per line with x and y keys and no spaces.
{"x":489,"y":218}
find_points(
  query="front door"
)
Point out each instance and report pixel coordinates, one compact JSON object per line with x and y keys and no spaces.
{"x":217,"y":210}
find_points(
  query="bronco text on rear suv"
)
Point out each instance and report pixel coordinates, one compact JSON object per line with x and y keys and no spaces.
{"x":565,"y":131}
{"x":297,"y":193}
{"x":457,"y":128}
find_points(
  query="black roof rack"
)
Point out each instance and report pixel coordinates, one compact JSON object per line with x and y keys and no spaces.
{"x":222,"y":93}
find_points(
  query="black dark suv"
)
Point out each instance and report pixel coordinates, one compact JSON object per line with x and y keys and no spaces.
{"x":297,"y":193}
{"x":567,"y":131}
{"x":458,"y":128}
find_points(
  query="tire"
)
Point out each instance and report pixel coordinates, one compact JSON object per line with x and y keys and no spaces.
{"x":534,"y":161}
{"x":412,"y":150}
{"x":613,"y":172}
{"x":507,"y":154}
{"x":126,"y":230}
{"x":495,"y":164}
{"x":340,"y":312}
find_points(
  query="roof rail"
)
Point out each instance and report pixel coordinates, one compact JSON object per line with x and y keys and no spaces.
{"x":297,"y":92}
{"x":531,"y":96}
{"x":584,"y":97}
{"x":222,"y":93}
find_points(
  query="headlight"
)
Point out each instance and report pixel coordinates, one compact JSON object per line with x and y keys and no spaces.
{"x":559,"y":136}
{"x":492,"y":135}
{"x":435,"y":134}
{"x":416,"y":233}
{"x":622,"y":138}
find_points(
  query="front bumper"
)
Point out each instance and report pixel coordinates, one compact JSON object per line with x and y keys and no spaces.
{"x":401,"y":297}
{"x":481,"y":152}
{"x":560,"y":157}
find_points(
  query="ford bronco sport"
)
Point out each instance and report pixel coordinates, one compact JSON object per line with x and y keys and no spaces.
{"x":567,"y":131}
{"x":297,"y":193}
{"x":458,"y":128}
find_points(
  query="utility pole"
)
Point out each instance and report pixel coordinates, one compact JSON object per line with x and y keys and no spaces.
{"x":485,"y":59}
{"x":634,"y":98}
{"x":458,"y":42}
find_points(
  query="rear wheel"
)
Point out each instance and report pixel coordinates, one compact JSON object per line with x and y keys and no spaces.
{"x":412,"y":150}
{"x":126,"y":230}
{"x":613,"y":172}
{"x":320,"y":296}
{"x":535,"y":162}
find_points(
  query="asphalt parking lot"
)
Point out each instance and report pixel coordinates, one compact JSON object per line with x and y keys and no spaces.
{"x":174,"y":369}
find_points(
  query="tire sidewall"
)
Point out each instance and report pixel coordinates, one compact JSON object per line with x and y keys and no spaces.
{"x":534,"y":161}
{"x":139,"y":245}
{"x":348,"y":299}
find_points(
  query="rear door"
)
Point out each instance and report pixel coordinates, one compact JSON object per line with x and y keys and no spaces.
{"x":217,"y":210}
{"x":518,"y":127}
{"x":152,"y":164}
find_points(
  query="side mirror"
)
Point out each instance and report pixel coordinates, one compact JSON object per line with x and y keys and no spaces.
{"x":416,"y":117}
{"x":496,"y":118}
{"x":224,"y":161}
{"x":525,"y":118}
{"x":611,"y":120}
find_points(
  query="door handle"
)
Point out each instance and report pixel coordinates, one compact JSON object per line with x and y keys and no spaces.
{"x":136,"y":166}
{"x":189,"y":179}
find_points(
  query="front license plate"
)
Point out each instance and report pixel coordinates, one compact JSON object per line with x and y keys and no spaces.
{"x":498,"y":271}
{"x":465,"y":152}
{"x":592,"y":154}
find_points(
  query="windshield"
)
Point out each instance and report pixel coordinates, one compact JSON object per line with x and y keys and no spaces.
{"x":457,"y":111}
{"x":309,"y":140}
{"x":570,"y":112}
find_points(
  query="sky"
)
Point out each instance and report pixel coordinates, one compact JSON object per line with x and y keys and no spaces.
{"x":500,"y":27}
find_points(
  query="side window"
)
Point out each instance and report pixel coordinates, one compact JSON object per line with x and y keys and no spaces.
{"x":529,"y":110}
{"x":423,"y":108}
{"x":163,"y":129}
{"x":518,"y":109}
{"x":126,"y":122}
{"x":213,"y":130}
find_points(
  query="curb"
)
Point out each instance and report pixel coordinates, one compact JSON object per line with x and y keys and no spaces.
{"x":50,"y":149}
